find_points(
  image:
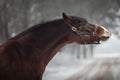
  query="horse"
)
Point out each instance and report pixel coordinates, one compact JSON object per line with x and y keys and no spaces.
{"x":25,"y":56}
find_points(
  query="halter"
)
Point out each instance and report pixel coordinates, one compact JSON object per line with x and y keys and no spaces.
{"x":79,"y":33}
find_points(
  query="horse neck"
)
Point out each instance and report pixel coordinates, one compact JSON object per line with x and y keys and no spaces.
{"x":46,"y":42}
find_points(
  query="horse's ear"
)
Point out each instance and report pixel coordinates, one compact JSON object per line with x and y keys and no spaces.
{"x":66,"y":18}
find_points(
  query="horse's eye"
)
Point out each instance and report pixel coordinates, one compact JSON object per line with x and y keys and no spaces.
{"x":88,"y":30}
{"x":84,"y":22}
{"x":79,"y":21}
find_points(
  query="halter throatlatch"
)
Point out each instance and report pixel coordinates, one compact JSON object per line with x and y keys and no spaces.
{"x":81,"y":34}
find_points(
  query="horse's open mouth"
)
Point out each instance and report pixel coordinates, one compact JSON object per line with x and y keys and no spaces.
{"x":95,"y":42}
{"x":104,"y":38}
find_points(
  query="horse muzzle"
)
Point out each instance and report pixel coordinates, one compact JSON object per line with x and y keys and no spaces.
{"x":105,"y":35}
{"x":104,"y":38}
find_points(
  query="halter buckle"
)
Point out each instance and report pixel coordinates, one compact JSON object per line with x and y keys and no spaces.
{"x":94,"y":33}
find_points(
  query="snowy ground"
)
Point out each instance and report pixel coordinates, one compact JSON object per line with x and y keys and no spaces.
{"x":106,"y":55}
{"x":61,"y":69}
{"x":101,"y":69}
{"x":84,"y":69}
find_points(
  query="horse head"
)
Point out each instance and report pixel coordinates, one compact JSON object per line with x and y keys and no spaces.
{"x":83,"y":32}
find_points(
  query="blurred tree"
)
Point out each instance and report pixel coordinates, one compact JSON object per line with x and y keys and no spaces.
{"x":3,"y":20}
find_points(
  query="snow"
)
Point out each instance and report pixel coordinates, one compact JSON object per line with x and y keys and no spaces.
{"x":63,"y":66}
{"x":117,"y":21}
{"x":106,"y":55}
{"x":118,"y":12}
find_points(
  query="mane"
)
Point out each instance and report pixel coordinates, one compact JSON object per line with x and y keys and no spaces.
{"x":39,"y":27}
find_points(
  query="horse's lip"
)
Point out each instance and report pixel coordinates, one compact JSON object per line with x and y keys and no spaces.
{"x":94,"y":42}
{"x":104,"y":39}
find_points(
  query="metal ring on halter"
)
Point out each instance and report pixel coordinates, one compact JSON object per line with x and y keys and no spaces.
{"x":73,"y":28}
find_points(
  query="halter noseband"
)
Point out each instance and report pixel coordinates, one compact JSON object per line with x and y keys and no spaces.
{"x":79,"y":33}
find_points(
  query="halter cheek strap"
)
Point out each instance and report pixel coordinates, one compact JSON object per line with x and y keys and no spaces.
{"x":79,"y":33}
{"x":74,"y":29}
